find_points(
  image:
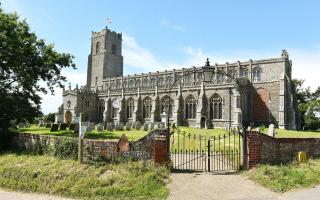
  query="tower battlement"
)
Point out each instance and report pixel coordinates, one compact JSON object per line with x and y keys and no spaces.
{"x":105,"y":59}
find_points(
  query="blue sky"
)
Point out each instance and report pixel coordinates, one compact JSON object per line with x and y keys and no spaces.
{"x":166,"y":34}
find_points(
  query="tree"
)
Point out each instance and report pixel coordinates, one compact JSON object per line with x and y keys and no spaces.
{"x":309,"y":105}
{"x":28,"y":67}
{"x":49,"y":117}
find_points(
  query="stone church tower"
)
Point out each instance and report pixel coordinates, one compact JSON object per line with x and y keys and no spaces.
{"x":105,"y":59}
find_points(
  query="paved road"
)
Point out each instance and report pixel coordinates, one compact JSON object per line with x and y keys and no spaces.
{"x":204,"y":186}
{"x":208,"y":186}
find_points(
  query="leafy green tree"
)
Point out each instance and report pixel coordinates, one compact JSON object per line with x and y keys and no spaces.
{"x":28,"y":67}
{"x":309,"y":105}
{"x":49,"y":117}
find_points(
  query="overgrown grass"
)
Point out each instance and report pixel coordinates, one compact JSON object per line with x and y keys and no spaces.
{"x":132,"y":135}
{"x":284,"y":178}
{"x":44,"y":174}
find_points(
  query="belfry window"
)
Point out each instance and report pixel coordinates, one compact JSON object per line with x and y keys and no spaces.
{"x":113,"y":49}
{"x":191,"y":107}
{"x":256,"y":74}
{"x":87,"y":103}
{"x":216,"y":107}
{"x":147,"y":107}
{"x":130,"y":107}
{"x":97,"y":47}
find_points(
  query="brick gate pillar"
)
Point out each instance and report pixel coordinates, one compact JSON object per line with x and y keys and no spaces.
{"x":253,"y":149}
{"x":160,"y":150}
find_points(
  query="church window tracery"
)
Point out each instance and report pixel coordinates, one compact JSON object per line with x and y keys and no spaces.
{"x":216,"y":106}
{"x":147,"y":107}
{"x":191,"y":107}
{"x":130,"y":107}
{"x":256,"y":74}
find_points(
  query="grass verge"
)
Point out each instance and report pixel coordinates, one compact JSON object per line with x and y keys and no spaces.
{"x":44,"y":174}
{"x":283,"y":178}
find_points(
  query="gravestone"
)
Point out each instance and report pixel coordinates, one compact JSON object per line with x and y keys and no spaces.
{"x":89,"y":128}
{"x":138,"y":125}
{"x":271,"y":131}
{"x":146,"y":126}
{"x":162,"y":125}
{"x":119,"y":126}
{"x":72,"y":126}
{"x":109,"y":126}
{"x":249,"y":128}
{"x":63,"y":126}
{"x":123,"y":144}
{"x":54,"y":128}
{"x":21,"y":125}
{"x":128,"y":126}
{"x":48,"y":125}
{"x":75,"y":128}
{"x":258,"y":129}
{"x":28,"y":125}
{"x":13,"y":123}
{"x":156,"y":125}
{"x":133,"y":125}
{"x":151,"y":126}
{"x":99,"y":127}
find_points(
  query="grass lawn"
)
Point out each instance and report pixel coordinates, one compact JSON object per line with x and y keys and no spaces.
{"x":132,"y":135}
{"x":44,"y":174}
{"x":295,"y":134}
{"x":191,"y":140}
{"x":283,"y":178}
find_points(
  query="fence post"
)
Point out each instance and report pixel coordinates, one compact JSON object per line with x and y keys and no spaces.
{"x":209,"y":155}
{"x":244,"y":150}
{"x":80,"y":150}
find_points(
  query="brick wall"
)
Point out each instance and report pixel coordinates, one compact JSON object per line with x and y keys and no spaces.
{"x":265,"y":149}
{"x":154,"y":144}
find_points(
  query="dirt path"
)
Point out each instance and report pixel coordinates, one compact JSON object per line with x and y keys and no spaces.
{"x":208,"y":186}
{"x":9,"y":195}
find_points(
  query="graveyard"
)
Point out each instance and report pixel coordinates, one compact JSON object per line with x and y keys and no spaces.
{"x":134,"y":134}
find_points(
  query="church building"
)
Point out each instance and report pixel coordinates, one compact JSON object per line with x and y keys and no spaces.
{"x":253,"y":92}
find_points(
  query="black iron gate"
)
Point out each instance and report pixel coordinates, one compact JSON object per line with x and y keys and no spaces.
{"x":206,"y":152}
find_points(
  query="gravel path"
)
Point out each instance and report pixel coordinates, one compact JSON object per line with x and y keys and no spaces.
{"x":9,"y":195}
{"x":208,"y":186}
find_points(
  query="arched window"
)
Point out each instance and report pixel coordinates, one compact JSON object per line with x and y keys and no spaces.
{"x":113,"y":49}
{"x":216,"y":107}
{"x":147,"y":107}
{"x":152,"y":82}
{"x":244,"y":72}
{"x":191,"y":107}
{"x":220,"y":75}
{"x":97,"y":47}
{"x":145,"y":82}
{"x":101,"y":109}
{"x":167,"y":105}
{"x":130,"y":107}
{"x":256,"y":74}
{"x":160,"y":81}
{"x":115,"y":108}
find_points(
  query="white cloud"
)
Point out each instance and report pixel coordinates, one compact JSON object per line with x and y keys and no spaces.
{"x":137,"y":56}
{"x":50,"y":103}
{"x":167,"y":23}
